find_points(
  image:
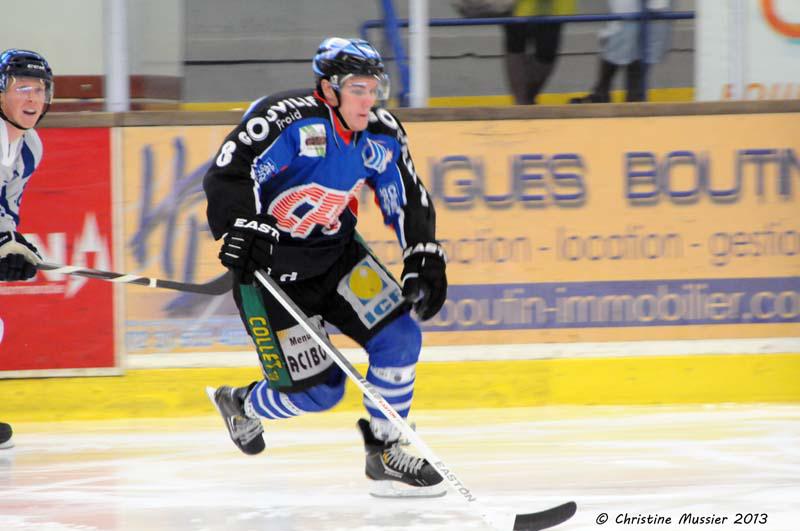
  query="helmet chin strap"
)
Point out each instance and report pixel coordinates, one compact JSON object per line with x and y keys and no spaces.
{"x":12,"y":122}
{"x":336,"y":109}
{"x":340,"y":117}
{"x":338,"y":102}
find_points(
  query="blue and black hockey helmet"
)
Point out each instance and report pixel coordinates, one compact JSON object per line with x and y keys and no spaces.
{"x":25,"y":63}
{"x":338,"y":58}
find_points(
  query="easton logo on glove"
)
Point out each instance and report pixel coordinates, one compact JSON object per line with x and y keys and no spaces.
{"x":430,"y":248}
{"x":259,"y":226}
{"x":424,"y":279}
{"x":248,"y":246}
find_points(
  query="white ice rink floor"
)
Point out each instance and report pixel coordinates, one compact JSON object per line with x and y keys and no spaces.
{"x":185,"y":474}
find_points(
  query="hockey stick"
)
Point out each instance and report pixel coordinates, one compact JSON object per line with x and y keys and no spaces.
{"x":521,"y":522}
{"x":218,"y":286}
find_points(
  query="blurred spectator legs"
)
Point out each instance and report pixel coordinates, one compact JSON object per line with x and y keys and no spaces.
{"x":527,"y":71}
{"x":601,"y":93}
{"x":621,"y":45}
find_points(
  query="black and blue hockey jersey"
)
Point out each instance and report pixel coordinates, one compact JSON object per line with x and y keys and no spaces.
{"x":287,"y":160}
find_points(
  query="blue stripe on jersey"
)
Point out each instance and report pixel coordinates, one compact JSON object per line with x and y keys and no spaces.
{"x":28,"y":161}
{"x":5,"y":207}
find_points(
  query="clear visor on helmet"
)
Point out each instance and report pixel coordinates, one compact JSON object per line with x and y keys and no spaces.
{"x":360,"y":86}
{"x":32,"y":88}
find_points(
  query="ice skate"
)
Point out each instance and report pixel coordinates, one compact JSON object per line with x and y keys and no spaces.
{"x":395,"y":473}
{"x":5,"y":436}
{"x":244,"y":431}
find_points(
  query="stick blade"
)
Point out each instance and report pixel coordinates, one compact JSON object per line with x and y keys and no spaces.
{"x":544,"y":519}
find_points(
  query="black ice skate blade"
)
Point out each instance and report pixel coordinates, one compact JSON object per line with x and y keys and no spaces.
{"x":545,"y":519}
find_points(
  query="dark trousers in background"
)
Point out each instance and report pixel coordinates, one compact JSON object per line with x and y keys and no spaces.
{"x":531,"y":52}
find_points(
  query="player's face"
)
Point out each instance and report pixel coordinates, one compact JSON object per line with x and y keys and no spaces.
{"x":24,"y":99}
{"x":359,"y":94}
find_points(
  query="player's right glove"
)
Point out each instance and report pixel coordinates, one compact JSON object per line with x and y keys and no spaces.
{"x":18,"y":257}
{"x":249,"y":245}
{"x":424,"y":279}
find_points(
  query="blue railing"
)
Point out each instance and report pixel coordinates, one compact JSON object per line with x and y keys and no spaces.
{"x":392,"y":24}
{"x":392,"y":29}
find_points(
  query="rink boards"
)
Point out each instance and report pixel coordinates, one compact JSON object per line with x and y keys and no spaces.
{"x":440,"y":385}
{"x":642,"y":230}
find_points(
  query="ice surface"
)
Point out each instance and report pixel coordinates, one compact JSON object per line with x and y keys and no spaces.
{"x":184,"y":474}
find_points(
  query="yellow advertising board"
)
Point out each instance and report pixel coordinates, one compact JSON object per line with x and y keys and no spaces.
{"x":612,"y":229}
{"x":556,"y":230}
{"x":166,"y":236}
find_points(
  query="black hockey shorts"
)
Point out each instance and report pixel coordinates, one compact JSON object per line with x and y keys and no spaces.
{"x":357,"y":295}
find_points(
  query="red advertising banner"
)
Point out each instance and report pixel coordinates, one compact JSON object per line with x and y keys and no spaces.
{"x":59,"y":323}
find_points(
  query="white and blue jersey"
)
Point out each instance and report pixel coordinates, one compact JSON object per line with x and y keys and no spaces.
{"x":287,"y":160}
{"x":18,"y":160}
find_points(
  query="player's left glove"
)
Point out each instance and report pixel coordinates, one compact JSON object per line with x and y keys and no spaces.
{"x":424,"y":279}
{"x":18,"y":257}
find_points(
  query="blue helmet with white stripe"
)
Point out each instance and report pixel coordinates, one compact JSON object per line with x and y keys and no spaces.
{"x":337,"y":59}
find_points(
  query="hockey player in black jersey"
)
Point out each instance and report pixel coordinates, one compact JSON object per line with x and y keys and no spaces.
{"x":282,"y":196}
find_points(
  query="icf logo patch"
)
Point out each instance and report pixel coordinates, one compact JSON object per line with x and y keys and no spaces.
{"x":370,"y":291}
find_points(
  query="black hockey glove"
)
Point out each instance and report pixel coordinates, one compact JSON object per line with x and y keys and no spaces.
{"x":249,"y":245}
{"x":424,"y":280}
{"x":18,"y":257}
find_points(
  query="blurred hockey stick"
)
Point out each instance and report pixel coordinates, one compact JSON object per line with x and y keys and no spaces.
{"x":218,"y":286}
{"x":500,"y":522}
